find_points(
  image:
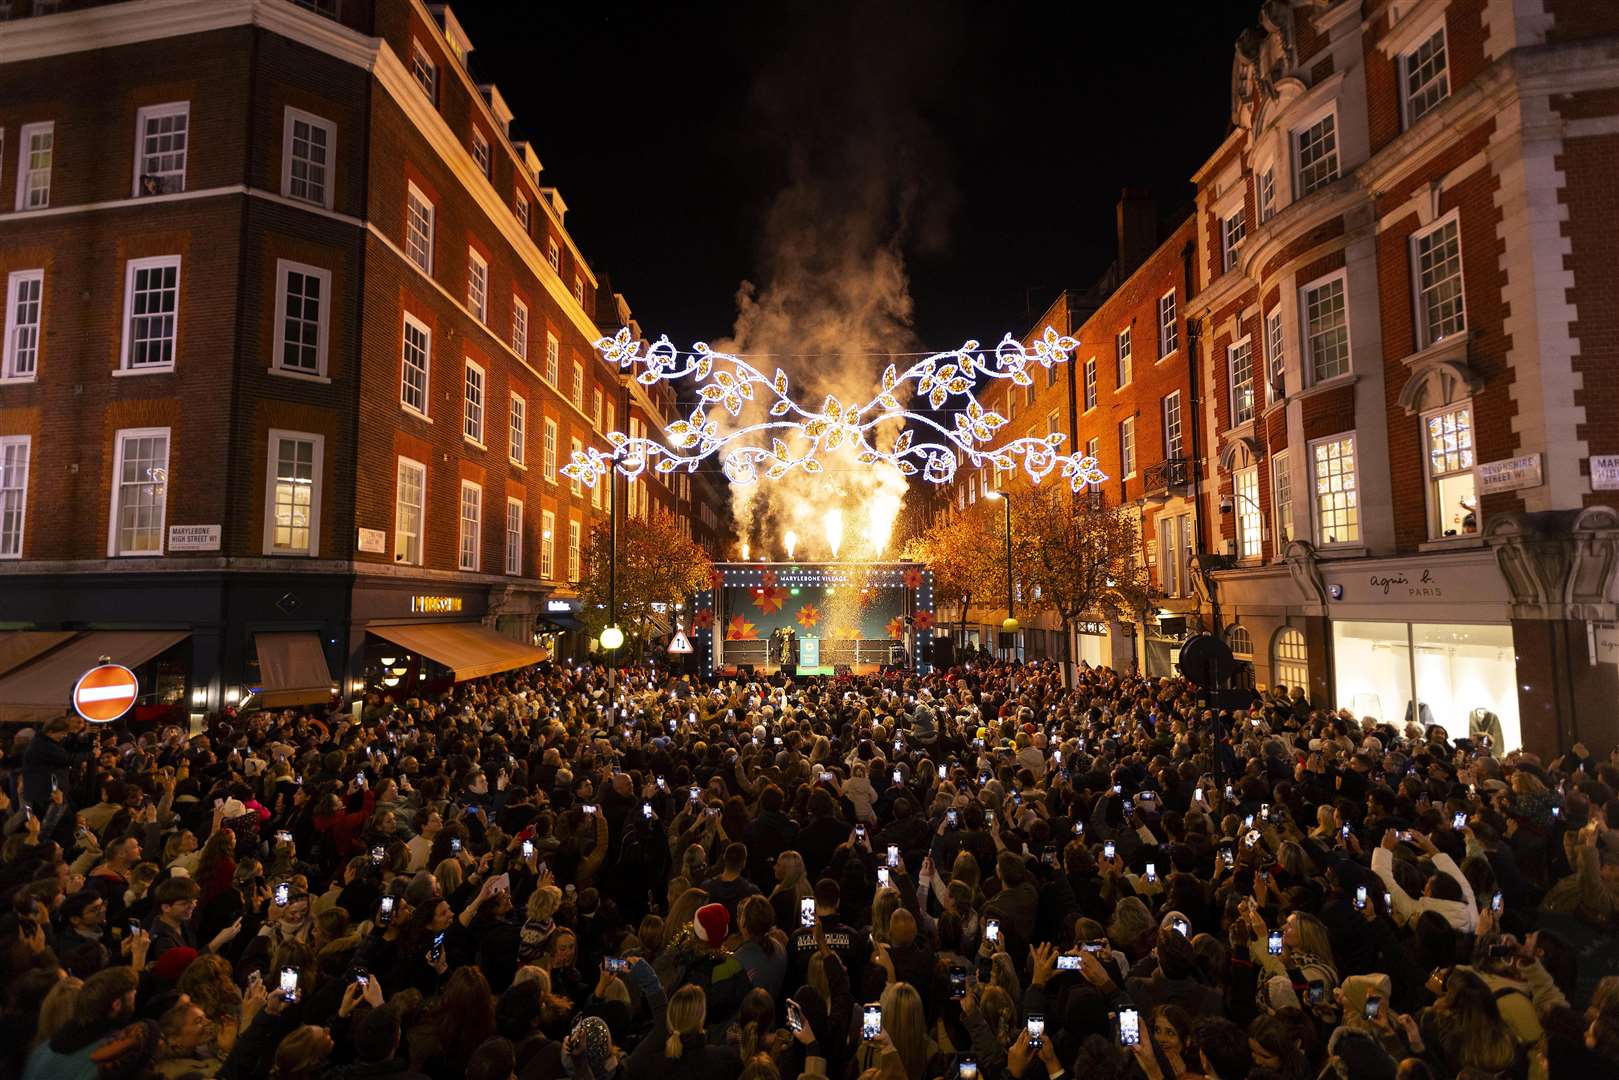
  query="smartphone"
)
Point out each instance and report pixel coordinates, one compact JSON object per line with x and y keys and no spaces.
{"x":289,"y":984}
{"x":1264,"y":811}
{"x":942,"y":772}
{"x":282,"y":836}
{"x":992,"y":930}
{"x":1079,"y":828}
{"x":1230,"y":792}
{"x":588,"y":808}
{"x":385,"y":913}
{"x":958,"y":982}
{"x":1318,"y":992}
{"x":1248,"y":822}
{"x":1129,"y":1027}
{"x":528,"y":849}
{"x":1067,"y":963}
{"x":1198,"y":795}
{"x":712,"y":811}
{"x":1388,"y":901}
{"x":893,"y":854}
{"x":1152,"y":873}
{"x":437,"y":949}
{"x":1360,"y":898}
{"x":616,"y":964}
{"x":1344,"y":832}
{"x":455,"y":845}
{"x":1108,"y":850}
{"x":134,"y":927}
{"x":696,"y":793}
{"x":1118,"y":789}
{"x":1181,"y":927}
{"x":898,"y":779}
{"x":1496,"y":903}
{"x":1253,"y":837}
{"x":967,"y":1069}
{"x":663,"y":785}
{"x":1557,"y":811}
{"x":1036,"y":1027}
{"x":806,"y":911}
{"x":860,"y":832}
{"x":882,"y":877}
{"x":1273,"y":944}
{"x":673,"y":724}
{"x":362,"y":977}
{"x":1098,"y":947}
{"x":646,"y":811}
{"x":1374,"y":1006}
{"x":1459,"y":821}
{"x":871,"y":1021}
{"x":1404,"y":836}
{"x":950,"y":817}
{"x":795,"y":1016}
{"x":283,"y":893}
{"x":359,"y":778}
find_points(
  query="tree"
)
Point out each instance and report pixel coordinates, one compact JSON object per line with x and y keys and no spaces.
{"x":965,"y":555}
{"x":658,"y":567}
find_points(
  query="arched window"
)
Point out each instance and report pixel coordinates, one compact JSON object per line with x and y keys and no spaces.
{"x":1290,"y":659}
{"x":1240,"y":641}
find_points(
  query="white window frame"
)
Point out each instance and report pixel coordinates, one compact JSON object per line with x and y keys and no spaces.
{"x":1127,"y":447}
{"x":283,"y":267}
{"x":1275,"y":356}
{"x":157,"y":112}
{"x":427,"y":366}
{"x":1431,"y":479}
{"x":520,"y":209}
{"x":1265,"y":192}
{"x":579,"y":289}
{"x":14,"y":500}
{"x":120,"y":440}
{"x":1168,"y":330}
{"x":1241,"y":647}
{"x":519,"y":327}
{"x":548,"y":459}
{"x":1093,"y":448}
{"x":482,"y":156}
{"x":553,"y":254}
{"x":1244,"y":345}
{"x":474,"y":403}
{"x":1290,"y":670}
{"x":272,"y":480}
{"x":1233,"y":228}
{"x":514,"y":536}
{"x":1281,"y":499}
{"x":424,"y":70}
{"x":1168,"y":548}
{"x":517,"y":430}
{"x":1124,"y":358}
{"x":418,"y":205}
{"x":292,"y":117}
{"x":403,"y":538}
{"x":1308,"y":358}
{"x":548,"y":533}
{"x":131,"y":268}
{"x":1088,"y":401}
{"x":578,"y":395}
{"x":577,"y":447}
{"x":469,"y":531}
{"x":478,"y":285}
{"x":553,"y":359}
{"x":1173,"y":425}
{"x":1425,"y":331}
{"x":1316,"y":495}
{"x":15,"y":283}
{"x":1403,"y":70}
{"x":576,"y":550}
{"x":1250,"y":516}
{"x":1295,"y":140}
{"x":26,"y":172}
{"x":596,"y":407}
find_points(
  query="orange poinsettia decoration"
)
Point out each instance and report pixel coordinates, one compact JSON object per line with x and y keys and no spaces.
{"x":912,"y":578}
{"x":768,"y":578}
{"x":703,"y":619}
{"x":716,"y":580}
{"x":769,"y":599}
{"x":922,"y":620}
{"x":740,"y":629}
{"x":896,"y":627}
{"x":849,"y":633}
{"x":808,"y":616}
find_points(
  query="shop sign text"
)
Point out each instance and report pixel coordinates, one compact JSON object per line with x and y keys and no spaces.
{"x":1422,"y":586}
{"x":1510,"y":474}
{"x":435,"y":605}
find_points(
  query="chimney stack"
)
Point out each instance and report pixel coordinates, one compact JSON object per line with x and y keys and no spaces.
{"x":1137,"y":229}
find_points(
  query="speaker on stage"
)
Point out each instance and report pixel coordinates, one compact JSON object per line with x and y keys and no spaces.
{"x":940,"y":652}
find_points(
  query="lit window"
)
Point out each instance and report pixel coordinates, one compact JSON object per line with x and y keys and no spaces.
{"x":553,"y":358}
{"x":1291,"y":659}
{"x":514,"y":536}
{"x":416,"y":359}
{"x":1121,"y":342}
{"x":1090,"y":384}
{"x":1275,"y":356}
{"x":151,"y":307}
{"x":1240,"y":362}
{"x":519,"y":328}
{"x":24,"y":293}
{"x":549,"y":461}
{"x":140,"y":492}
{"x":480,"y":151}
{"x":14,"y":450}
{"x":517,"y":431}
{"x":477,"y":286}
{"x":1281,"y":498}
{"x":1315,"y":152}
{"x":1337,"y":500}
{"x":1168,"y":564}
{"x":1438,"y":256}
{"x":1326,"y":328}
{"x":161,"y":133}
{"x":1168,"y":332}
{"x":306,"y":152}
{"x":1267,"y":195}
{"x":1245,"y":485}
{"x":573,"y":484}
{"x":424,"y":70}
{"x":37,"y":142}
{"x":1240,"y":642}
{"x":410,"y":503}
{"x":1452,"y":490}
{"x":292,"y":517}
{"x":596,"y":407}
{"x":1232,"y":231}
{"x":1173,"y":446}
{"x":419,"y":229}
{"x":302,"y":303}
{"x":548,"y":524}
{"x":575,"y":551}
{"x":472,"y":414}
{"x":1127,"y":446}
{"x":1424,"y":77}
{"x":1053,"y":422}
{"x":579,"y":386}
{"x":470,"y":547}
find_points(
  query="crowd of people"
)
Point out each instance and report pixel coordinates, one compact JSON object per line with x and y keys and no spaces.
{"x":987,"y":872}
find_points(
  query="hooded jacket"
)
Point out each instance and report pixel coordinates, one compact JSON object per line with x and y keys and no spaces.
{"x":1461,"y":914}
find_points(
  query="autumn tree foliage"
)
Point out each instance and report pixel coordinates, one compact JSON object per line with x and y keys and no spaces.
{"x":1077,"y":556}
{"x":967,"y":556}
{"x":658,"y":567}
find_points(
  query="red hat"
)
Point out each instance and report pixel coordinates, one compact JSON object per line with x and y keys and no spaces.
{"x":172,"y":964}
{"x":712,"y":923}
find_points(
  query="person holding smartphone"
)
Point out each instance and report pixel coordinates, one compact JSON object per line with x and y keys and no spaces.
{"x":1301,"y":944}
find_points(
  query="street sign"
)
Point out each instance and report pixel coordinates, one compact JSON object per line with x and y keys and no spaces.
{"x":104,"y":693}
{"x":680,"y":644}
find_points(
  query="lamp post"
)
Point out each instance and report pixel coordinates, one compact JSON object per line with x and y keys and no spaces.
{"x":1010,"y":624}
{"x":612,"y":637}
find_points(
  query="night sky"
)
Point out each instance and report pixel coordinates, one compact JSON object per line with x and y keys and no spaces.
{"x":699,"y":145}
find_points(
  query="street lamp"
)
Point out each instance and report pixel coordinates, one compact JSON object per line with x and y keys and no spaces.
{"x":613,"y":637}
{"x":1010,"y":624}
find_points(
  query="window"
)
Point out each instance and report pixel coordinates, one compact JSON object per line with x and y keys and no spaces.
{"x":477,"y":286}
{"x":1281,"y":499}
{"x":414,"y":366}
{"x":319,"y":7}
{"x":1173,"y":447}
{"x":1053,"y":422}
{"x":553,"y":254}
{"x":1240,"y":642}
{"x":520,"y":209}
{"x":549,"y":461}
{"x":470,"y":547}
{"x":596,"y":407}
{"x":1090,"y":384}
{"x":1326,"y":327}
{"x":472,"y":411}
{"x":1232,"y":230}
{"x":1337,"y":502}
{"x":1424,"y":77}
{"x":1169,"y":576}
{"x":611,"y":415}
{"x":160,"y":148}
{"x":553,"y":358}
{"x":410,"y":510}
{"x":579,"y":386}
{"x":517,"y":431}
{"x":548,"y":524}
{"x":292,"y":495}
{"x":1452,"y":490}
{"x":1290,"y":664}
{"x":1168,"y":332}
{"x":1121,"y":342}
{"x":1437,"y":253}
{"x":480,"y":151}
{"x":972,"y":489}
{"x":36,"y":144}
{"x":151,"y":303}
{"x":24,"y":292}
{"x":1240,"y":361}
{"x":514,"y":536}
{"x":1267,"y":195}
{"x":306,"y":158}
{"x":301,"y":308}
{"x":1011,"y":404}
{"x":425,"y":71}
{"x":573,"y":484}
{"x":598,"y":491}
{"x":1315,"y":154}
{"x":1093,"y":449}
{"x":1275,"y":356}
{"x":419,"y":229}
{"x":519,"y":328}
{"x":1245,"y":486}
{"x":574,"y":550}
{"x":13,"y":493}
{"x":140,"y":492}
{"x":579,"y":290}
{"x":1127,"y":446}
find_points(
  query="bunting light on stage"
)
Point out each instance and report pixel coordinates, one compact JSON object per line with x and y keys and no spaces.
{"x":798,"y":437}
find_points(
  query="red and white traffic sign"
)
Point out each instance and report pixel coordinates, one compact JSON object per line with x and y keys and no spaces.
{"x":105,"y":692}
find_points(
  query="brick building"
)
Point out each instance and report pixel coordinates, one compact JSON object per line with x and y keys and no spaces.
{"x":296,"y":340}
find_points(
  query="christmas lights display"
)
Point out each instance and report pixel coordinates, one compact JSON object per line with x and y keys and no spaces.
{"x":799,"y":436}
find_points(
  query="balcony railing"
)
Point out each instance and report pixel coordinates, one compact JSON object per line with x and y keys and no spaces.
{"x":1167,"y":477}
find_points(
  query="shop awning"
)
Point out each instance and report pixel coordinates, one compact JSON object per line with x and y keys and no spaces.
{"x":43,"y":688}
{"x":471,"y":650}
{"x":17,"y":647}
{"x":292,"y":667}
{"x":562,"y":620}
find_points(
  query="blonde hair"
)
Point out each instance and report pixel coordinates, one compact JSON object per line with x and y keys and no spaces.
{"x":882,"y":909}
{"x":1003,"y":973}
{"x":543,"y":902}
{"x":815,"y":977}
{"x":449,"y":876}
{"x":1313,"y":937}
{"x":57,"y":1008}
{"x":685,"y":1015}
{"x":906,"y":1025}
{"x":796,"y":881}
{"x":1000,"y":1012}
{"x":683,"y":911}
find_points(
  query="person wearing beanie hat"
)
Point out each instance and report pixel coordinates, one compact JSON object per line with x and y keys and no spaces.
{"x":172,"y":964}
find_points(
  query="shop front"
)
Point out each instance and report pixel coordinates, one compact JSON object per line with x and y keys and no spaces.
{"x":1091,"y":643}
{"x":559,"y":629}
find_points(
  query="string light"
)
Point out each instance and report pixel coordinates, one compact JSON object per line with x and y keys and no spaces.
{"x":726,"y":380}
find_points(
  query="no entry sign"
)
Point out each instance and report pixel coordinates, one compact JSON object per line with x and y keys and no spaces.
{"x":104,"y":693}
